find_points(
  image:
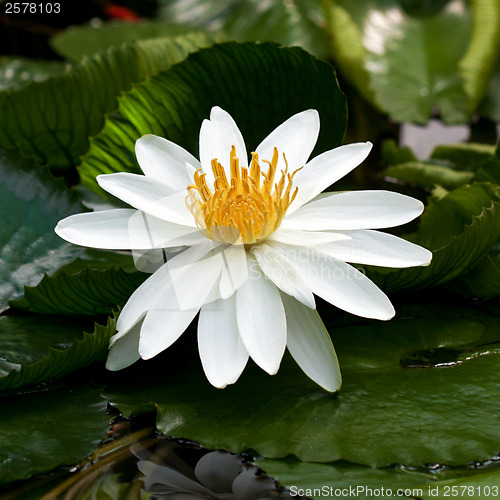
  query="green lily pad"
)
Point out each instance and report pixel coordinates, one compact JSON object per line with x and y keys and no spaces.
{"x":77,"y":42}
{"x":53,"y":120}
{"x":16,"y":72}
{"x":490,"y":107}
{"x":36,"y":349}
{"x":43,"y":430}
{"x":31,"y":204}
{"x":413,"y":62}
{"x":476,"y":162}
{"x":450,"y":166}
{"x":460,"y":229}
{"x":297,"y":22}
{"x":93,"y":258}
{"x":392,"y":154}
{"x":260,"y":85}
{"x":482,"y":280}
{"x":89,"y":292}
{"x":428,"y":174}
{"x":409,"y":387}
{"x":466,"y":156}
{"x":490,"y":169}
{"x":343,"y":479}
{"x":484,"y":485}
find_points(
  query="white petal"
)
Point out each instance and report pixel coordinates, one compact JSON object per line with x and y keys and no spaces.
{"x":158,"y":293}
{"x":296,"y":138}
{"x":222,"y":352}
{"x":310,"y":345}
{"x":125,"y":350}
{"x":141,"y":300}
{"x":195,"y":253}
{"x":191,"y":171}
{"x":169,"y":245}
{"x":165,"y":161}
{"x":326,"y":169}
{"x":217,"y":135}
{"x":261,"y":320}
{"x":302,"y":238}
{"x":123,"y":229}
{"x":234,"y":271}
{"x":161,"y":233}
{"x":149,"y":261}
{"x":283,"y":273}
{"x":344,"y":286}
{"x":149,"y":195}
{"x":378,"y":249}
{"x":355,"y":210}
{"x":194,"y":282}
{"x":162,"y":327}
{"x":156,"y":289}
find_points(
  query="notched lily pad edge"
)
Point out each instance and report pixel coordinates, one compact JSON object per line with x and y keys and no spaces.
{"x":65,"y":361}
{"x":54,"y":283}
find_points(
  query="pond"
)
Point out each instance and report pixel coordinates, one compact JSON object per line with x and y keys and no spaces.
{"x":249,"y":250}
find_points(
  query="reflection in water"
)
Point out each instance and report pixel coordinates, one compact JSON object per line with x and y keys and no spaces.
{"x":139,"y":463}
{"x":216,"y":475}
{"x":177,"y":469}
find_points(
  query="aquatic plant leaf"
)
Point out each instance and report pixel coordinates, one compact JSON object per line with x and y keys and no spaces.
{"x":459,"y":229}
{"x":295,"y":22}
{"x":260,"y":85}
{"x":477,"y":66}
{"x":428,"y":174}
{"x":89,"y":292}
{"x":406,"y":397}
{"x":464,"y":156}
{"x":490,"y":106}
{"x":449,"y":166}
{"x":490,"y":169}
{"x":53,"y":120}
{"x":37,"y":349}
{"x":482,"y":280}
{"x":479,"y":485}
{"x":42,"y":430}
{"x":76,"y":42}
{"x":412,"y":64}
{"x":362,"y":482}
{"x":31,"y":204}
{"x":103,"y":260}
{"x":459,"y":163}
{"x":16,"y":72}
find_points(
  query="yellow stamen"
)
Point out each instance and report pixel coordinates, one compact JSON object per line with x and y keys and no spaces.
{"x":243,"y":208}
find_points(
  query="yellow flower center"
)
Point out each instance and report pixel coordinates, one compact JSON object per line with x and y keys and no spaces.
{"x":247,"y":207}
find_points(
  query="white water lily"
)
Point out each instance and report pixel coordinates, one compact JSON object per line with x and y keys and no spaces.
{"x":251,"y":248}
